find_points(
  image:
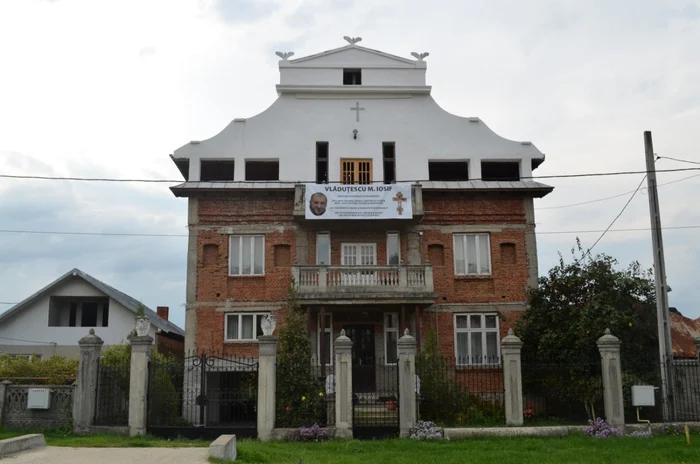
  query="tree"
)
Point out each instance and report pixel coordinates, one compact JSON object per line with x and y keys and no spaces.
{"x":299,"y":392}
{"x":571,"y":308}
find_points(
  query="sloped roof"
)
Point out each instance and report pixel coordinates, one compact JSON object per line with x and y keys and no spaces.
{"x":683,"y":331}
{"x":122,"y":298}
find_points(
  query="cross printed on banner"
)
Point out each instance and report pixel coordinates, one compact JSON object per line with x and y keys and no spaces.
{"x":399,"y":199}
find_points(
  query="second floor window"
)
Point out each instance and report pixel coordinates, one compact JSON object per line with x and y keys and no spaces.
{"x":247,"y":255}
{"x":472,"y":254}
{"x":355,"y":171}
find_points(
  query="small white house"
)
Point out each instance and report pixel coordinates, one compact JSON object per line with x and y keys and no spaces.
{"x":52,"y":320}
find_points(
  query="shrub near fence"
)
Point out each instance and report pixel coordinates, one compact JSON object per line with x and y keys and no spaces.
{"x":562,"y":393}
{"x":469,"y":394}
{"x":55,"y":370}
{"x":315,"y":404}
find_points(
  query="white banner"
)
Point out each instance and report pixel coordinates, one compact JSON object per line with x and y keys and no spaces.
{"x":378,"y":201}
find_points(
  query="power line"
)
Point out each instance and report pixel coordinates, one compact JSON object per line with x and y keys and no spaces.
{"x":28,"y":341}
{"x":613,"y":197}
{"x":619,"y":214}
{"x":553,"y":176}
{"x":678,"y":159}
{"x":7,"y":303}
{"x":115,"y":234}
{"x":50,"y":232}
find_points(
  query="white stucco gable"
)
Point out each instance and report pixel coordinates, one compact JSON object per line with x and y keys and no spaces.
{"x":391,"y":104}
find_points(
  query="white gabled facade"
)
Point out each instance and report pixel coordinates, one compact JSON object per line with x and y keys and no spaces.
{"x":314,"y":105}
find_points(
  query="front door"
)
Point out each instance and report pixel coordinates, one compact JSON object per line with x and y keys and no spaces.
{"x":363,"y":359}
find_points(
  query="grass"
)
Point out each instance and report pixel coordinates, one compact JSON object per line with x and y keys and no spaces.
{"x":575,"y":449}
{"x":65,"y":438}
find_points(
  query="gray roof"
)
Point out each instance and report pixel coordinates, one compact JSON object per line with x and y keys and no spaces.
{"x":427,"y":185}
{"x":122,"y":298}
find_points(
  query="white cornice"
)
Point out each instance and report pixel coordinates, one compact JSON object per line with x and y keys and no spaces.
{"x":353,"y":90}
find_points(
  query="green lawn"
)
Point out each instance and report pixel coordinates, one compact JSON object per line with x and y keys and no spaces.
{"x":572,"y":449}
{"x":576,"y":449}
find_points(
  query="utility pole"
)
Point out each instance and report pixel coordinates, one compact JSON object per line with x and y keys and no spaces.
{"x":662,"y":313}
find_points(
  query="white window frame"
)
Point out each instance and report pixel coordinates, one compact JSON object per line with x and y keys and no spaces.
{"x":256,"y":316}
{"x":329,"y":317}
{"x":330,"y":253}
{"x":478,"y":239}
{"x":483,"y":330}
{"x":387,"y":330}
{"x":398,"y":238}
{"x":240,"y":254}
{"x":359,"y":252}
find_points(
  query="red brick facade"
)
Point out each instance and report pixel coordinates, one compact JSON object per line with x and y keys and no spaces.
{"x":501,"y":215}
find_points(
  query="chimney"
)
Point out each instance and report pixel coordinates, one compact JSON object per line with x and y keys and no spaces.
{"x":162,"y":312}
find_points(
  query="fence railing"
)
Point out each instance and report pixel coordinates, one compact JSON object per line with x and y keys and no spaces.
{"x":17,"y":415}
{"x":112,"y":405}
{"x":561,"y":393}
{"x":465,"y":394}
{"x":307,"y":398}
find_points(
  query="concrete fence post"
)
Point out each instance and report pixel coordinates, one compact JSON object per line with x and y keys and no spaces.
{"x":141,"y":348}
{"x":86,"y":382}
{"x":511,"y":348}
{"x":609,"y":347}
{"x":267,"y":385}
{"x":407,"y":384}
{"x":3,"y":397}
{"x":343,"y":386}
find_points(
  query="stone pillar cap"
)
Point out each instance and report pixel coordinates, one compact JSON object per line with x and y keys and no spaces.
{"x":511,"y":339}
{"x":343,"y":339}
{"x":608,"y":339}
{"x":141,"y":340}
{"x":407,"y":339}
{"x":91,"y":339}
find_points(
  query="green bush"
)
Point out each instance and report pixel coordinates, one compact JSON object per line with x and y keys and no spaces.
{"x":300,"y":393}
{"x":55,"y":370}
{"x":442,"y":399}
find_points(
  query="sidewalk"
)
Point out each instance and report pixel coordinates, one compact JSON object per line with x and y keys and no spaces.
{"x":61,"y":455}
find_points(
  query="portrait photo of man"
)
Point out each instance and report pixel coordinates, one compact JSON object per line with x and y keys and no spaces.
{"x":318,"y":203}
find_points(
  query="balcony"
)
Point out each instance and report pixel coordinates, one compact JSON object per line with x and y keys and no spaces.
{"x":361,"y":283}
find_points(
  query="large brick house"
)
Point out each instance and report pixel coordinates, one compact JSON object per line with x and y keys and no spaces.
{"x":425,"y":221}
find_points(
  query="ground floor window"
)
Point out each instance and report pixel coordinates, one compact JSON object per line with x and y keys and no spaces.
{"x":476,"y":338}
{"x":243,"y":326}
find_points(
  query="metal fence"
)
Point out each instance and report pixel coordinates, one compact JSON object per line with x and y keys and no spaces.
{"x":112,"y":404}
{"x":375,"y":400}
{"x":203,"y":395}
{"x":561,"y":393}
{"x":308,"y":398}
{"x":17,"y":415}
{"x":468,"y":393}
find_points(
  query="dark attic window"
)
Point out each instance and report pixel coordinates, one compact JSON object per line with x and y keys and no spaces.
{"x":352,"y":76}
{"x":500,"y":170}
{"x":262,"y":170}
{"x":216,"y":170}
{"x":448,"y":170}
{"x":321,"y":162}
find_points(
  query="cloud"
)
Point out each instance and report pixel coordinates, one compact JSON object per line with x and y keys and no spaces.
{"x":147,"y":51}
{"x":238,"y":11}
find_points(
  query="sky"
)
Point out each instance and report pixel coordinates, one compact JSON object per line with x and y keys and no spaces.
{"x":111,"y":88}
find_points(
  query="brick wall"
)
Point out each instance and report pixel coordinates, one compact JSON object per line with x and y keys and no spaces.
{"x":270,"y":213}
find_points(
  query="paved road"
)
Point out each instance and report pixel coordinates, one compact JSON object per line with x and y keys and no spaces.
{"x":60,"y":455}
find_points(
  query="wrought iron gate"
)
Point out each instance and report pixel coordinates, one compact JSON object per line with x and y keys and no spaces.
{"x":375,"y":400}
{"x":112,"y":399}
{"x":203,"y":396}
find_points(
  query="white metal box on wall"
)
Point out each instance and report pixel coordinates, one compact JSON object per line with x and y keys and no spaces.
{"x":642,"y":395}
{"x":38,"y":398}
